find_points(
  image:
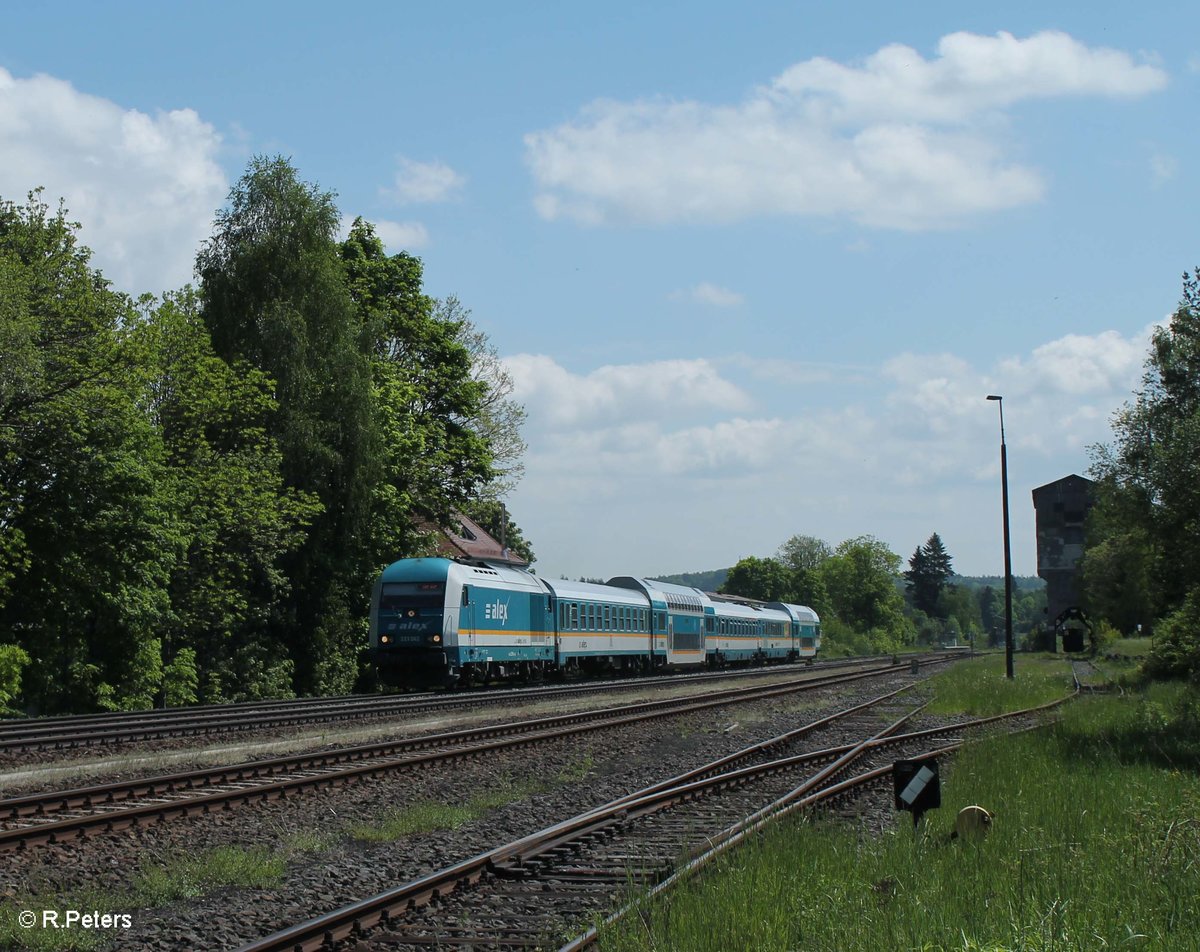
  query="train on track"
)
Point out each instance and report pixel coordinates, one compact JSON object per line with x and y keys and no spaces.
{"x":439,"y":621}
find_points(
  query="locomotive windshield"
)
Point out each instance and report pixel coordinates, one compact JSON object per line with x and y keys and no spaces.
{"x":399,"y":595}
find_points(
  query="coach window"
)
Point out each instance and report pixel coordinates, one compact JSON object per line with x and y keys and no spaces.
{"x":607,"y":617}
{"x":574,"y":615}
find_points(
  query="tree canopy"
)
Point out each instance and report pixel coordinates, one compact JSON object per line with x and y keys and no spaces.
{"x":197,"y":492}
{"x":929,"y":570}
{"x":1142,"y":561}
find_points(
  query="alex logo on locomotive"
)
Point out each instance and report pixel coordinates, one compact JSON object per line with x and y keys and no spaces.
{"x":497,"y":611}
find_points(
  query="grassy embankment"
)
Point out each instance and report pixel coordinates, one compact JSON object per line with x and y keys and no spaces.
{"x":1095,"y":844}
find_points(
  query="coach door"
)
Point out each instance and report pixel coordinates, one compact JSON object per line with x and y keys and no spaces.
{"x":679,"y":640}
{"x":466,"y":619}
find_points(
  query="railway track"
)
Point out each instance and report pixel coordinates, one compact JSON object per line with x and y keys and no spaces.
{"x":531,"y":892}
{"x":89,"y":730}
{"x":59,"y":816}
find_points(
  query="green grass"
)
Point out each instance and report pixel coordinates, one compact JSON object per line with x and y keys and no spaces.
{"x":1095,"y":845}
{"x":424,"y":816}
{"x":978,"y":686}
{"x":1133,"y":647}
{"x":187,"y":877}
{"x":156,"y":884}
{"x":429,"y":816}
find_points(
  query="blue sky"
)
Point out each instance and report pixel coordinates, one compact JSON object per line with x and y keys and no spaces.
{"x":753,"y":271}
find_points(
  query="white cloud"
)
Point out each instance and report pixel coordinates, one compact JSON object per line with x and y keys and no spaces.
{"x":970,"y":74}
{"x":896,"y":142}
{"x":395,"y":235}
{"x":899,"y":452}
{"x":402,"y":235}
{"x":144,"y":187}
{"x":653,"y":390}
{"x":711,"y":294}
{"x":423,"y":182}
{"x":1081,"y":364}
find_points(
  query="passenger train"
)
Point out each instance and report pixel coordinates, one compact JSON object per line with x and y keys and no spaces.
{"x":438,"y":621}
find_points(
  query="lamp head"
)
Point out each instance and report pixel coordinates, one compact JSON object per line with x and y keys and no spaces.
{"x":992,"y":396}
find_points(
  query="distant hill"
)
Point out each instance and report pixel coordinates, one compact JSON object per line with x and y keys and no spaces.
{"x":705,"y":581}
{"x":713,"y":580}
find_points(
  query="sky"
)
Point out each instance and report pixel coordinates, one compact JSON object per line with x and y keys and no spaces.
{"x":753,"y":271}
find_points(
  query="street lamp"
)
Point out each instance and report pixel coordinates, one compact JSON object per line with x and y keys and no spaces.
{"x":1008,"y":634}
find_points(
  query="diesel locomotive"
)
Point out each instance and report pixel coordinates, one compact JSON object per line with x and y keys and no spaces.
{"x":439,"y":621}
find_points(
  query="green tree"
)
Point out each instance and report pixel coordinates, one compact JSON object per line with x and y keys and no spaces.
{"x":239,"y":520}
{"x":991,"y":614}
{"x":764,"y":579}
{"x":433,"y":456}
{"x":89,"y":529}
{"x":803,"y":556}
{"x":498,"y":418}
{"x":860,"y":578}
{"x":1144,"y":534}
{"x":803,"y":553}
{"x":13,"y":660}
{"x":181,"y":679}
{"x":959,"y":605}
{"x":1119,"y":570}
{"x":1175,"y":652}
{"x":274,"y":295}
{"x":929,"y":570}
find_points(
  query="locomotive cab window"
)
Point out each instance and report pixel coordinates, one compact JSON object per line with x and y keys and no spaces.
{"x":398,"y":595}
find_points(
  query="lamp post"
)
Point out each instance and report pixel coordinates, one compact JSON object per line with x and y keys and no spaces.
{"x":1008,"y":632}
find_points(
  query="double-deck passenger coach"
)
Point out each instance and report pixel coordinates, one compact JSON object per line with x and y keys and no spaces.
{"x":438,"y":621}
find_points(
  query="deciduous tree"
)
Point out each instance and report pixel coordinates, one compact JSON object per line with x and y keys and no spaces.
{"x":1144,"y":534}
{"x":274,"y":295}
{"x":764,"y":579}
{"x":860,"y":577}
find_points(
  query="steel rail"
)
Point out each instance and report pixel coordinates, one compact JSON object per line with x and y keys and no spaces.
{"x":509,"y":860}
{"x":71,"y":731}
{"x":366,"y":760}
{"x":503,"y":861}
{"x":801,"y":798}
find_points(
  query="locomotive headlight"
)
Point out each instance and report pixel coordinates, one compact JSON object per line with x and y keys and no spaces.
{"x":384,"y":639}
{"x":436,"y":639}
